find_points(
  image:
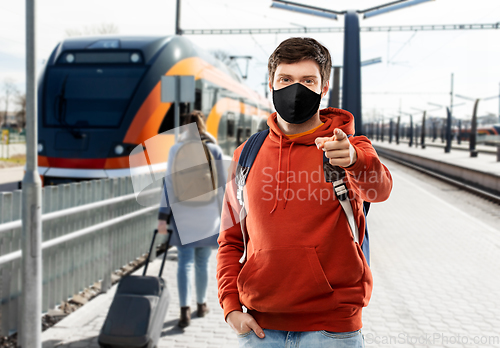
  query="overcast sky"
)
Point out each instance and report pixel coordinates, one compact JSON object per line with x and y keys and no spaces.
{"x":416,"y":68}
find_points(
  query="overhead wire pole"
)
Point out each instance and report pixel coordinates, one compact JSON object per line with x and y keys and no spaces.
{"x":451,"y":97}
{"x":31,"y":311}
{"x":351,"y":77}
{"x":178,"y":30}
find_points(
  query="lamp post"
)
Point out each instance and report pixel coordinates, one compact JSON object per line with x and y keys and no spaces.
{"x":382,"y":129}
{"x":422,"y":140}
{"x":398,"y":125}
{"x":31,"y":307}
{"x":335,"y":92}
{"x":178,"y":30}
{"x":411,"y":130}
{"x":447,"y":148}
{"x":473,"y":130}
{"x":449,"y":118}
{"x":351,"y":88}
{"x":391,"y":126}
{"x":423,"y":131}
{"x":459,"y":135}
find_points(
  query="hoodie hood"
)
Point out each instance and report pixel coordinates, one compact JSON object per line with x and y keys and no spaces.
{"x":331,"y":117}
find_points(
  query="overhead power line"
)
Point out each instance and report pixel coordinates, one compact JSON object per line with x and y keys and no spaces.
{"x":411,"y":93}
{"x":427,"y":27}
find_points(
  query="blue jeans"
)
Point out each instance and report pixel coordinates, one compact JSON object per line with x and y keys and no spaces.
{"x":189,"y":257}
{"x":307,"y":339}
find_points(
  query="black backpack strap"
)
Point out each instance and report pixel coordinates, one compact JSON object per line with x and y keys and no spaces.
{"x":245,"y":162}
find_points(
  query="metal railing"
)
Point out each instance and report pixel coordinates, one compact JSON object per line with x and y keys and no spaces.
{"x":16,"y":138}
{"x":90,"y":229}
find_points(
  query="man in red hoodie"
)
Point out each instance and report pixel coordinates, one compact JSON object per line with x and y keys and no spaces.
{"x":295,"y":275}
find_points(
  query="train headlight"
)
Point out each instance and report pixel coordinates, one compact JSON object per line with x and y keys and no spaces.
{"x":135,"y":57}
{"x":70,"y":58}
{"x":119,"y":149}
{"x":40,"y":147}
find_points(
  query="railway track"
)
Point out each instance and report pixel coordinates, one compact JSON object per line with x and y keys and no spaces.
{"x":490,"y":196}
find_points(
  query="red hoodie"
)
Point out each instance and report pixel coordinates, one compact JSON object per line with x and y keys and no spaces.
{"x":303,"y":271}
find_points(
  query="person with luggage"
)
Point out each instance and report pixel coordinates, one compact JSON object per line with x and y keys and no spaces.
{"x":290,"y":266}
{"x":195,"y":254}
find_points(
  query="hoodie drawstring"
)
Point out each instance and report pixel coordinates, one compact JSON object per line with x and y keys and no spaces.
{"x":279,"y":176}
{"x":287,"y":171}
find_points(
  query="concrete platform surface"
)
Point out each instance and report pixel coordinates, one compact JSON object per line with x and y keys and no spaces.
{"x":11,"y":174}
{"x":436,"y":284}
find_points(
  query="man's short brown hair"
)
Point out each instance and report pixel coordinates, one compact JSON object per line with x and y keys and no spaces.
{"x":297,"y":49}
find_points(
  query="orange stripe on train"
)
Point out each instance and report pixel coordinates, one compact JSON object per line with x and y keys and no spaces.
{"x":151,"y":113}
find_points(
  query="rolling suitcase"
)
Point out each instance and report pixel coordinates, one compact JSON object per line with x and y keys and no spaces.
{"x":135,"y":318}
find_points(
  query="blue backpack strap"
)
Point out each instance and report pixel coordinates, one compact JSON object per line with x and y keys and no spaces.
{"x":365,"y":246}
{"x":245,"y":162}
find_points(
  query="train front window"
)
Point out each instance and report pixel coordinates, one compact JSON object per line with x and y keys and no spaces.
{"x":88,"y":96}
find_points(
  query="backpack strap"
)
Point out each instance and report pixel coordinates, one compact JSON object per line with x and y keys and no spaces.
{"x":336,"y":175}
{"x":365,"y":246}
{"x":333,"y":174}
{"x":245,"y":162}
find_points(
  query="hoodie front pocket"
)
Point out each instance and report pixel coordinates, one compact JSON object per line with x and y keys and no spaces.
{"x":356,"y":295}
{"x":285,"y":280}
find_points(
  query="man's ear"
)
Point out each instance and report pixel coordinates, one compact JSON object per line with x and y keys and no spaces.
{"x":270,"y":84}
{"x":325,"y":89}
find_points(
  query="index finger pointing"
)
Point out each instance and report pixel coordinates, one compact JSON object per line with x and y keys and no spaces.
{"x":339,"y":134}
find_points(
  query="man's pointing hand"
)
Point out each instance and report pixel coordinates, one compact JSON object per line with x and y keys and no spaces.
{"x":338,"y":149}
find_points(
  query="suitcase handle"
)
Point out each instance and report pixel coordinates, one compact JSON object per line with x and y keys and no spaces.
{"x":151,"y":250}
{"x":165,"y":253}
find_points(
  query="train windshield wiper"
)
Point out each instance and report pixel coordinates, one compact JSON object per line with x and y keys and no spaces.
{"x":61,"y":107}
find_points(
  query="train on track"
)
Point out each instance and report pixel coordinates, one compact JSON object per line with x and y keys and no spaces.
{"x":99,"y":98}
{"x":485,"y":133}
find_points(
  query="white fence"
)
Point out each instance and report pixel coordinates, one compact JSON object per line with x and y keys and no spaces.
{"x":11,"y":150}
{"x":89,"y":230}
{"x":15,"y":138}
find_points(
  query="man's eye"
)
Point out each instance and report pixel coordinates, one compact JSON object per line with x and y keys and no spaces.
{"x":284,"y":79}
{"x":309,"y":81}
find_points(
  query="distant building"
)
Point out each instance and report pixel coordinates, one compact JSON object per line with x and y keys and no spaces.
{"x":11,"y":121}
{"x":487,"y":120}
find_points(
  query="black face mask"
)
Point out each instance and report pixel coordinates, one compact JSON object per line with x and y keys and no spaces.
{"x":296,"y":103}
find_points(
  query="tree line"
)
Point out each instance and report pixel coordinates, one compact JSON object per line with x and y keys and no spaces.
{"x":12,"y":102}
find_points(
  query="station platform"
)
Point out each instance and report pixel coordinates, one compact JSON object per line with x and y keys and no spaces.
{"x":435,"y":266}
{"x":463,"y":146}
{"x":11,"y":174}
